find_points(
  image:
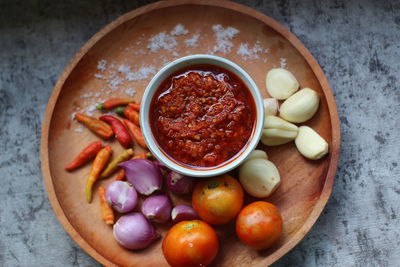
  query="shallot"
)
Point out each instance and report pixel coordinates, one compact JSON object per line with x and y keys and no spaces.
{"x":143,"y":174}
{"x":121,"y":196}
{"x":157,"y":208}
{"x":134,"y":231}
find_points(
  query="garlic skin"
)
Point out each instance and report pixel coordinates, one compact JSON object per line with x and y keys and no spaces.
{"x":271,"y":106}
{"x":257,"y":154}
{"x":310,"y":144}
{"x":259,"y":177}
{"x":281,"y":83}
{"x":278,"y":131}
{"x":300,"y":107}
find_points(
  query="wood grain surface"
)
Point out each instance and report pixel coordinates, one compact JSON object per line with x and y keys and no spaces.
{"x":306,"y":185}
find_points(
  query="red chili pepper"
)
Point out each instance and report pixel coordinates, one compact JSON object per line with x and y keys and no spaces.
{"x":114,"y":102}
{"x":86,"y":154}
{"x":119,"y":129}
{"x":121,"y":175}
{"x":136,"y":132}
{"x":135,"y":106}
{"x":99,"y":127}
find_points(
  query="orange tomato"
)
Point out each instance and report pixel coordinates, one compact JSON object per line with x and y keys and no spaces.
{"x":259,"y":225}
{"x":190,"y":243}
{"x":218,"y":200}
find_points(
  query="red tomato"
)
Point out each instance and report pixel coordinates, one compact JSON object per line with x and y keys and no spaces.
{"x":259,"y":225}
{"x":190,"y":243}
{"x":218,"y":200}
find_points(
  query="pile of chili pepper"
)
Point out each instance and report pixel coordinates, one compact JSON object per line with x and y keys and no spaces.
{"x":125,"y":132}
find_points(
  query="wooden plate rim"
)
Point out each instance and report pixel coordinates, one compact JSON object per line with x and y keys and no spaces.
{"x":335,"y":144}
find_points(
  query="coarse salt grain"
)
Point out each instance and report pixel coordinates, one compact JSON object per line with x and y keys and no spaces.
{"x":283,"y":63}
{"x":97,"y":95}
{"x":141,"y":74}
{"x":175,"y":54}
{"x":130,"y":92}
{"x":124,"y":69}
{"x":115,"y":82}
{"x":86,"y":95}
{"x":161,"y":40}
{"x":79,"y":129}
{"x":192,"y":42}
{"x":223,"y":37}
{"x":179,"y":30}
{"x":249,"y":53}
{"x":99,"y":76}
{"x":101,"y":65}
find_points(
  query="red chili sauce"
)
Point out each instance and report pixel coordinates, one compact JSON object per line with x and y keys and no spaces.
{"x":202,"y":115}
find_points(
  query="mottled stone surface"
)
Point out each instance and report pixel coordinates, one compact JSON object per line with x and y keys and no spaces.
{"x":357,"y":44}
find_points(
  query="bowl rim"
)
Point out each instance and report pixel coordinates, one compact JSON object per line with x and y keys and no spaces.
{"x":177,"y":65}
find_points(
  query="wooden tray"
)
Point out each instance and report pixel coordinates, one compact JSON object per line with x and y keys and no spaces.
{"x":306,"y":185}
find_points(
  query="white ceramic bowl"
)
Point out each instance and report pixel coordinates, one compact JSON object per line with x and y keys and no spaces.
{"x":184,"y":62}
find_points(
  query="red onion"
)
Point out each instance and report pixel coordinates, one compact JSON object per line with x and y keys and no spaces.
{"x":157,"y":208}
{"x":121,"y":196}
{"x":179,"y":183}
{"x":183,"y":212}
{"x":143,"y":174}
{"x":134,"y":231}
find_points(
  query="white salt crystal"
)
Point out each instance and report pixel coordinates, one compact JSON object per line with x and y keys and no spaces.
{"x":99,"y":76}
{"x":79,"y":129}
{"x":86,"y":95}
{"x":161,"y":41}
{"x":97,"y":94}
{"x":91,"y":108}
{"x":101,"y":65}
{"x":141,"y":74}
{"x":282,"y":62}
{"x":223,"y":38}
{"x":130,"y":92}
{"x":175,"y":54}
{"x":249,"y":53}
{"x":115,"y":82}
{"x":124,"y":69}
{"x":192,"y":42}
{"x":179,"y":30}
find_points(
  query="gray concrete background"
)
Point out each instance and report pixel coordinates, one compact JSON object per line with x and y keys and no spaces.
{"x":356,"y":43}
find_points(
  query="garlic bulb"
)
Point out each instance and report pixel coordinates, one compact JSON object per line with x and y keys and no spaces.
{"x":310,"y":144}
{"x":271,"y":106}
{"x":259,"y":177}
{"x":257,"y":154}
{"x":278,"y":131}
{"x":300,"y":107}
{"x":281,"y":83}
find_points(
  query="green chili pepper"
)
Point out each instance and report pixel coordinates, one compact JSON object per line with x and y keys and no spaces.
{"x":113,"y":165}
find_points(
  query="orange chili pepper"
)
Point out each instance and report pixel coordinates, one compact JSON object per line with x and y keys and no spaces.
{"x":86,"y":154}
{"x":136,"y":132}
{"x":106,"y":211}
{"x":98,"y":165}
{"x":132,"y":115}
{"x":135,"y":106}
{"x":114,"y":102}
{"x":99,"y":127}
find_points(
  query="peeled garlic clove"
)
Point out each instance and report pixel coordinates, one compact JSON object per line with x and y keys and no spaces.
{"x":278,"y":131}
{"x":301,"y":106}
{"x":259,"y":177}
{"x":281,"y":83}
{"x":257,"y":154}
{"x":310,"y":144}
{"x":271,"y":106}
